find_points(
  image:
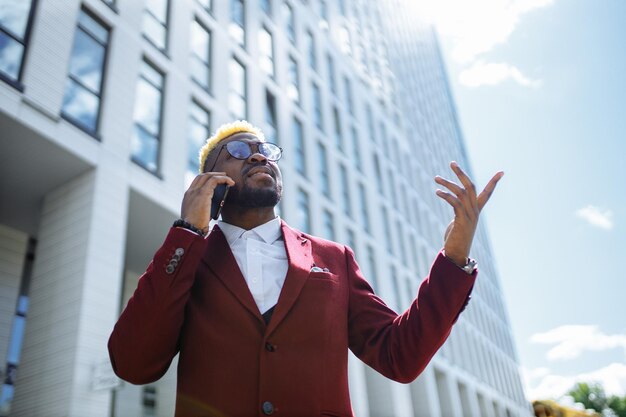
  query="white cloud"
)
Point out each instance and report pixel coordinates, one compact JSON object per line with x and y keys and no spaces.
{"x":572,"y":340}
{"x":542,"y":385}
{"x":483,"y":73}
{"x":596,"y":216}
{"x":475,"y":27}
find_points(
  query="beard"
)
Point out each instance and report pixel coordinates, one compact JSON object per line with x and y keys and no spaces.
{"x":249,"y":197}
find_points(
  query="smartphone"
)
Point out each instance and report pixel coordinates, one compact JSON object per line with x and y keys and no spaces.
{"x":217,"y":202}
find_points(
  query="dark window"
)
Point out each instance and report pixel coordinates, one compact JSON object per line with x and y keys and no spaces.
{"x":147,"y":117}
{"x":271,"y":121}
{"x":317,"y":106}
{"x":15,"y":24}
{"x":345,"y":191}
{"x":83,"y":91}
{"x":323,"y":169}
{"x":298,"y":144}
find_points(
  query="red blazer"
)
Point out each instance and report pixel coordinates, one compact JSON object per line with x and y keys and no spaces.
{"x":232,"y":364}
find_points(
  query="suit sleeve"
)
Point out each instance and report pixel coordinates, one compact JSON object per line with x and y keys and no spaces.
{"x":145,"y":338}
{"x":400,"y":346}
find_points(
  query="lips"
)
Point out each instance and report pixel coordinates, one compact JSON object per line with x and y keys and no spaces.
{"x":261,"y":170}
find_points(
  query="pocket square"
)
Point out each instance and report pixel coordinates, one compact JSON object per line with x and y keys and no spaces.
{"x":316,"y":268}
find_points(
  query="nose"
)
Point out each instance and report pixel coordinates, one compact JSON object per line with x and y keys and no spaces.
{"x":257,"y":157}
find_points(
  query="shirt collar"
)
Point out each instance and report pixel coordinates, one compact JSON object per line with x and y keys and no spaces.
{"x":269,"y":231}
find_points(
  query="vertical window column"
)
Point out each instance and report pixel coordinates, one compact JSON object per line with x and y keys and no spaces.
{"x":237,"y":90}
{"x":147,"y":133}
{"x":298,"y":144}
{"x":155,"y":23}
{"x":317,"y":106}
{"x":15,"y":23}
{"x":323,"y":169}
{"x":201,"y":55}
{"x":237,"y":25}
{"x":290,"y":22}
{"x":83,"y":91}
{"x":293,"y":83}
{"x":271,"y":121}
{"x":266,"y":52}
{"x":199,"y":131}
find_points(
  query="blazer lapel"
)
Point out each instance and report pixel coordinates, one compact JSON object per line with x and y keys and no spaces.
{"x":300,"y":261}
{"x":221,"y":261}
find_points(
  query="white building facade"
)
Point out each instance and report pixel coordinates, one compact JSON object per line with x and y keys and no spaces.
{"x":103,"y":106}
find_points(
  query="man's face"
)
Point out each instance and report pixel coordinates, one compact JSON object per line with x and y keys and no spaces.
{"x":258,"y":181}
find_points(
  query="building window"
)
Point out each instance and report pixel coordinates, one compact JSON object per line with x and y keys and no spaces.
{"x":365,"y":221}
{"x":389,"y":243}
{"x":323,"y":12}
{"x":237,"y":93}
{"x":200,"y":55}
{"x":83,"y":90}
{"x":236,"y":27}
{"x":290,"y":22}
{"x":155,"y":23}
{"x":266,"y":7}
{"x":337,"y":129}
{"x":317,"y":106}
{"x":345,"y":191}
{"x":147,"y":117}
{"x":303,"y":221}
{"x":15,"y":24}
{"x":199,"y":131}
{"x":149,"y":401}
{"x":348,"y":89}
{"x":293,"y":84}
{"x":298,"y":144}
{"x":271,"y":122}
{"x":330,"y":67}
{"x":266,"y":52}
{"x":356,"y":148}
{"x":401,"y":243}
{"x":329,"y":227}
{"x":371,"y":266}
{"x":345,"y":45}
{"x":206,"y":4}
{"x":351,"y":240}
{"x":396,"y":287}
{"x":370,"y":123}
{"x":379,"y":175}
{"x":323,"y":167}
{"x":310,"y":49}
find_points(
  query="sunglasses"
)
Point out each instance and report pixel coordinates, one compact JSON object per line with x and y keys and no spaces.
{"x":242,"y":150}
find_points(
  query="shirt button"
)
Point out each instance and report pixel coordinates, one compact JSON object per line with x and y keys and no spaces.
{"x":268,"y":408}
{"x":270,"y":347}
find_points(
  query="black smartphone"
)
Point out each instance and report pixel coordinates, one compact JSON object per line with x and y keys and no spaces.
{"x":217,"y":202}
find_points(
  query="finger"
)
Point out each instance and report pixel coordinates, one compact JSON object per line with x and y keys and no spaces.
{"x":205,"y":176}
{"x":215,"y":180}
{"x":465,"y":180}
{"x":453,"y":201}
{"x":470,"y":208}
{"x":484,"y":196}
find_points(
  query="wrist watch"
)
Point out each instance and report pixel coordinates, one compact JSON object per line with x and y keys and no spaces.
{"x":469,"y":267}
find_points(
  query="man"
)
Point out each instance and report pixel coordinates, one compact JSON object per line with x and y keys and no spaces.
{"x":263,"y":314}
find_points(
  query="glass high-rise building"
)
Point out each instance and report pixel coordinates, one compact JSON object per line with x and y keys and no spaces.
{"x":103,"y":106}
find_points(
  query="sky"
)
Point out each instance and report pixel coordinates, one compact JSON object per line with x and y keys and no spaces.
{"x":540,"y":90}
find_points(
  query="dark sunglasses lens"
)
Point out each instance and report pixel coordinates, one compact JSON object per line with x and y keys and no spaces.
{"x":270,"y":151}
{"x":237,"y":149}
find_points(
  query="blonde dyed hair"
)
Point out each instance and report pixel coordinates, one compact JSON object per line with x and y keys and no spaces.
{"x":224,"y":131}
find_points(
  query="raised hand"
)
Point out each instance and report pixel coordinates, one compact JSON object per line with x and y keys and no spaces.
{"x":196,"y":205}
{"x":467,"y":207}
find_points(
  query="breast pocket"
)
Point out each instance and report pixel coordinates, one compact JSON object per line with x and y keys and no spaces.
{"x":324,"y":276}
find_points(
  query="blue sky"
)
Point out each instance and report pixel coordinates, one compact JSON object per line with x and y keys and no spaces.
{"x":540,"y":88}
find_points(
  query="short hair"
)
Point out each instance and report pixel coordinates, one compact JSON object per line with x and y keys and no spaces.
{"x":224,"y":131}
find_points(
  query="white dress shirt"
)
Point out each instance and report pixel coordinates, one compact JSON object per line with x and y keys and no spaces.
{"x":262,"y":259}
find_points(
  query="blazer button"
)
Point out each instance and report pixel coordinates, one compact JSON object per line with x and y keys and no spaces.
{"x":268,"y":408}
{"x":179,"y":251}
{"x":169,"y":269}
{"x":270,"y":347}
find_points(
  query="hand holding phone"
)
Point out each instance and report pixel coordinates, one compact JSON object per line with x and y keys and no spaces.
{"x":217,"y":202}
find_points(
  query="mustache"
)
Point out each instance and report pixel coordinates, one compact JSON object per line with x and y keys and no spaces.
{"x":261,"y":164}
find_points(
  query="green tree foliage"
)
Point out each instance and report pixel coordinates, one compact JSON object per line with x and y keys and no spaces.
{"x":593,"y":396}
